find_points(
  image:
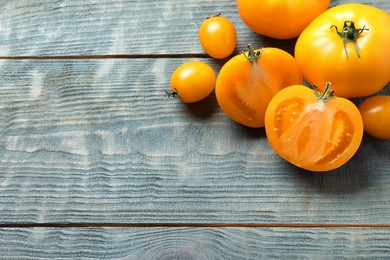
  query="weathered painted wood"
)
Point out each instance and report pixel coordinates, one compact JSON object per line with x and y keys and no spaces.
{"x":97,"y":141}
{"x":107,"y":27}
{"x":194,"y":243}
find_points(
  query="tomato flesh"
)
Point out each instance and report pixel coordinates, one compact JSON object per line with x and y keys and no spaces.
{"x":313,"y":134}
{"x":244,"y":89}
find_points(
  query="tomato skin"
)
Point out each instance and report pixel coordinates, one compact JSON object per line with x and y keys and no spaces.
{"x":218,"y":38}
{"x":244,"y":89}
{"x":375,"y":112}
{"x":193,"y":81}
{"x":280,"y":19}
{"x":320,"y":51}
{"x":312,"y":134}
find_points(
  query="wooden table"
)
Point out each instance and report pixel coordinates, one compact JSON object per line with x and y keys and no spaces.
{"x":96,"y":162}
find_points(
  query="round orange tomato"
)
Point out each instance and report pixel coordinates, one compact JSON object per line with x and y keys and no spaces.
{"x":192,"y":81}
{"x":375,"y":112}
{"x":314,"y":131}
{"x":280,"y":19}
{"x":347,"y":45}
{"x":248,"y":81}
{"x":217,"y":35}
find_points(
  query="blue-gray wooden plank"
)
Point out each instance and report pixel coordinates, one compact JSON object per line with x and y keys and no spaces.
{"x":194,"y":243}
{"x":97,"y":141}
{"x":108,"y":27}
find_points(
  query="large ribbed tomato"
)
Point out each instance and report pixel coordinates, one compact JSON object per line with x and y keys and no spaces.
{"x":347,"y":45}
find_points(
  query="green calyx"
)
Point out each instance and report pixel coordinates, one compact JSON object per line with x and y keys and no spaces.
{"x":215,"y":15}
{"x":326,"y":95}
{"x":252,"y":56}
{"x":349,"y":34}
{"x":172,"y":93}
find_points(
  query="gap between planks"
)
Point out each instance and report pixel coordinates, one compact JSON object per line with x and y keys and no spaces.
{"x":189,"y":225}
{"x":108,"y":56}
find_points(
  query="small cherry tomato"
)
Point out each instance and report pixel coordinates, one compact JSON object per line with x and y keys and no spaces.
{"x":314,"y":131}
{"x":193,"y":81}
{"x":347,"y":45}
{"x":280,"y":19}
{"x":217,"y":35}
{"x":248,"y":81}
{"x":375,"y":112}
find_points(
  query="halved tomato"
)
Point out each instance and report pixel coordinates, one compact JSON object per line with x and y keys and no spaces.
{"x":248,"y":81}
{"x":312,"y":130}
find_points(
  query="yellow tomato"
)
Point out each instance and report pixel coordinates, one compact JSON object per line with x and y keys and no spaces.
{"x":280,"y":19}
{"x":314,"y":131}
{"x":247,"y":82}
{"x":347,"y":45}
{"x":375,"y":112}
{"x":193,"y":81}
{"x":217,"y":36}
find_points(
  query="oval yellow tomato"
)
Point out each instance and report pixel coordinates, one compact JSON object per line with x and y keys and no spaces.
{"x":193,"y":81}
{"x":248,"y":81}
{"x":347,"y":45}
{"x":375,"y":112}
{"x":217,"y":35}
{"x":280,"y":19}
{"x":313,"y":131}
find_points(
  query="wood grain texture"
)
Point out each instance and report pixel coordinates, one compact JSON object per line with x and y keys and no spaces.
{"x":96,"y":163}
{"x":194,"y":243}
{"x":97,"y":141}
{"x":83,"y":27}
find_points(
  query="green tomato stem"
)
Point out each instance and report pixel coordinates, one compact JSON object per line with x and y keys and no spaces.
{"x":349,"y":34}
{"x":253,"y":56}
{"x":172,"y":93}
{"x":215,"y":15}
{"x":326,"y":95}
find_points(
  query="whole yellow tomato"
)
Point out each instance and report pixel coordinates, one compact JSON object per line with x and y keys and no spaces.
{"x":375,"y":113}
{"x":280,"y":19}
{"x":192,"y":81}
{"x":347,"y":45}
{"x":217,"y":35}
